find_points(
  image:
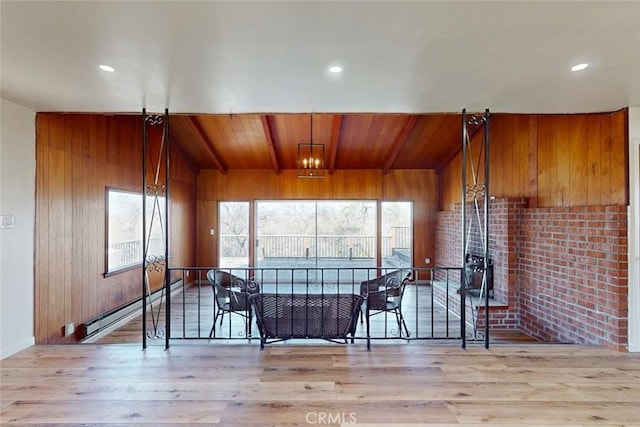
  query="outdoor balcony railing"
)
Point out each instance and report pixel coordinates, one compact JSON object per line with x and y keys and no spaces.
{"x":129,"y":253}
{"x":321,"y":246}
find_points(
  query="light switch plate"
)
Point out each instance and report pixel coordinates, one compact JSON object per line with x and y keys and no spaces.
{"x":7,"y":221}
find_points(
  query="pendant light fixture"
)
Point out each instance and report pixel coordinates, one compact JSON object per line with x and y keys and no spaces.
{"x":310,"y":157}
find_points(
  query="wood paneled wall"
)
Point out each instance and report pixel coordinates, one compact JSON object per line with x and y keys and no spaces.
{"x":77,"y":157}
{"x":418,"y":186}
{"x":553,"y":160}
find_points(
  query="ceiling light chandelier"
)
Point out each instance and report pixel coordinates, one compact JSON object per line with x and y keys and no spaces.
{"x":310,"y":157}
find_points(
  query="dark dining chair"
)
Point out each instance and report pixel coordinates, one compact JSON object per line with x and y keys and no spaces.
{"x":388,"y":299}
{"x":375,"y":284}
{"x":231,"y":294}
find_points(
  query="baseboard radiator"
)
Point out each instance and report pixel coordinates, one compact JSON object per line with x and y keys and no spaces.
{"x":107,"y":319}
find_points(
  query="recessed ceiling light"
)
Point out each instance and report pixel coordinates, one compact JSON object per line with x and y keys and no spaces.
{"x":106,"y":68}
{"x":579,"y":67}
{"x":335,"y":69}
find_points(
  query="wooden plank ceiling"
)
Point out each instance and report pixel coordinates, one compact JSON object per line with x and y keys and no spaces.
{"x":352,"y":141}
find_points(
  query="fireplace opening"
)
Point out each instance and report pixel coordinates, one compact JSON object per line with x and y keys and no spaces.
{"x":474,"y":270}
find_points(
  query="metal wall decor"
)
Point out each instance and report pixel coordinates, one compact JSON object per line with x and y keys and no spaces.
{"x":475,"y":219}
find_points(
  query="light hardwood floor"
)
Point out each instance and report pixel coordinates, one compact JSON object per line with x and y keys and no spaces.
{"x":415,"y":383}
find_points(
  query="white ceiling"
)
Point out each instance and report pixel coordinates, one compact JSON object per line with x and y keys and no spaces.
{"x":266,"y":56}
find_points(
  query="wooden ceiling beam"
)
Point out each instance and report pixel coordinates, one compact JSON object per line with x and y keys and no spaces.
{"x":399,"y":143}
{"x":207,"y":144}
{"x":267,"y":125}
{"x":335,"y":140}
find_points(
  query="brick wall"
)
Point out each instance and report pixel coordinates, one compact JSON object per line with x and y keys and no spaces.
{"x":448,"y":239}
{"x":560,"y":274}
{"x":573,"y":277}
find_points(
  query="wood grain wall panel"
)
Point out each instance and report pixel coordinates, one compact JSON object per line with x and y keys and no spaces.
{"x":55,"y":229}
{"x":80,"y":243}
{"x":102,"y":138}
{"x":605,"y":162}
{"x":620,"y":158}
{"x":206,"y":181}
{"x":78,"y":156}
{"x":449,"y":184}
{"x":342,"y":184}
{"x":548,"y":155}
{"x":55,"y":137}
{"x":553,"y":160}
{"x":423,"y":232}
{"x":290,"y":187}
{"x":563,"y":157}
{"x":259,"y":184}
{"x":68,"y":243}
{"x":89,"y":145}
{"x":89,"y":230}
{"x":514,"y":179}
{"x":531,"y":173}
{"x":183,"y":227}
{"x":501,"y":154}
{"x":519,"y":155}
{"x":206,"y":245}
{"x":545,"y":161}
{"x":67,"y":129}
{"x":406,"y":184}
{"x":111,"y":136}
{"x":410,"y":185}
{"x":578,"y":160}
{"x":594,"y":160}
{"x":41,"y":227}
{"x":180,"y":170}
{"x":513,"y":155}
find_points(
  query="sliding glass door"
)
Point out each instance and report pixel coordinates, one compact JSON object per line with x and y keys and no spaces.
{"x":315,"y":234}
{"x":397,"y":234}
{"x":346,"y":234}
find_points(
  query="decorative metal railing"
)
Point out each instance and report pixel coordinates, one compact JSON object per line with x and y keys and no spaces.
{"x":429,"y":307}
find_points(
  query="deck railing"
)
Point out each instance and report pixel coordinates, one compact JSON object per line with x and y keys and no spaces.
{"x":321,"y":246}
{"x":124,"y":254}
{"x":336,"y":247}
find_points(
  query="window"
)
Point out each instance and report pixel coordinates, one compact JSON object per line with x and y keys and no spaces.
{"x":234,"y":234}
{"x":124,"y":229}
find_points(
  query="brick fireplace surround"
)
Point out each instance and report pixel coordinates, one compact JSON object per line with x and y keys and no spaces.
{"x":560,"y":274}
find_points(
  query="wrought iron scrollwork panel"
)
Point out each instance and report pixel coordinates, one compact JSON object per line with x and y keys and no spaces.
{"x":155,"y":256}
{"x":475,"y":212}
